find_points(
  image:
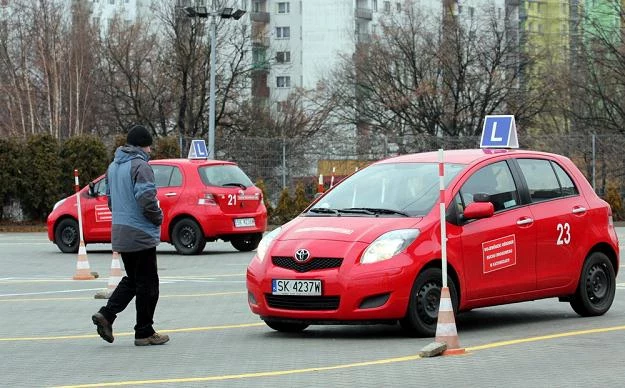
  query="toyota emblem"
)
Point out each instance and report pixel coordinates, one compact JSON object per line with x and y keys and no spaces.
{"x":302,"y":255}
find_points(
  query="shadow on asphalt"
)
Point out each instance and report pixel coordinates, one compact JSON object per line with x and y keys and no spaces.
{"x":471,"y":321}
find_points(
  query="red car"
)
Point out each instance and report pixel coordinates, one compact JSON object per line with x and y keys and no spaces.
{"x":521,"y":225}
{"x":202,"y":200}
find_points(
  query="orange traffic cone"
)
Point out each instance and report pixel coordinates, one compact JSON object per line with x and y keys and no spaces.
{"x":114,"y":278}
{"x":446,"y":326}
{"x":320,"y":188}
{"x":83,"y":271}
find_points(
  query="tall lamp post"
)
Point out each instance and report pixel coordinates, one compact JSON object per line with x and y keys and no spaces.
{"x":214,"y":12}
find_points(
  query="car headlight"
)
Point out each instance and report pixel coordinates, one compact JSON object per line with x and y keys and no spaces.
{"x":264,"y":243}
{"x":59,"y":203}
{"x":388,"y":245}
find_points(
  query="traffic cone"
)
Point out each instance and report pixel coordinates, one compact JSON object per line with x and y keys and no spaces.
{"x":320,"y":188}
{"x":446,"y":326}
{"x":114,"y":278}
{"x":83,"y":271}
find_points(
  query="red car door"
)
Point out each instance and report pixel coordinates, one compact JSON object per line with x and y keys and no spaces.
{"x":499,"y":252}
{"x":561,"y":218}
{"x":169,"y":186}
{"x":97,"y":217}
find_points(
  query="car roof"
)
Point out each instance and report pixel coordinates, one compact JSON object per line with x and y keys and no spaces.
{"x":191,"y":162}
{"x":466,"y":156}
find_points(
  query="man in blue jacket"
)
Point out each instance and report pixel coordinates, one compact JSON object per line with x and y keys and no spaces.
{"x":135,"y":234}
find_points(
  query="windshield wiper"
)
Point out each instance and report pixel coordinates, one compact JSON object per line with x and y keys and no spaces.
{"x":241,"y":185}
{"x":325,"y":210}
{"x":372,"y":211}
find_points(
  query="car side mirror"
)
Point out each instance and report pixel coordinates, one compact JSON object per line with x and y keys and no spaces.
{"x":477,"y":210}
{"x":92,"y":192}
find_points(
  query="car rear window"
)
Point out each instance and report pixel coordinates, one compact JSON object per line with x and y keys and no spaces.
{"x":224,"y":175}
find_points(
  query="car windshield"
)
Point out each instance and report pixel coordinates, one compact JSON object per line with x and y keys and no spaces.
{"x":224,"y":175}
{"x":396,"y":189}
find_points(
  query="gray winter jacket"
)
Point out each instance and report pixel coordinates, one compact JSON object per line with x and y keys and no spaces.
{"x":132,"y":200}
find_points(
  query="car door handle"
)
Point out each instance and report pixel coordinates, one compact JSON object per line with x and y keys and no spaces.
{"x":524,"y":221}
{"x":170,"y":194}
{"x":579,"y":209}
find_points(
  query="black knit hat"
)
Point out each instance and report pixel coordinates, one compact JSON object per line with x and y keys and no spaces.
{"x":139,"y":136}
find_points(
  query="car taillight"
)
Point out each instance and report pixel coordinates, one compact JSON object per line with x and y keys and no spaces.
{"x":207,"y":199}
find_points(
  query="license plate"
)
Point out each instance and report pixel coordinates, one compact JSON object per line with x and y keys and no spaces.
{"x":295,"y":287}
{"x":244,"y":222}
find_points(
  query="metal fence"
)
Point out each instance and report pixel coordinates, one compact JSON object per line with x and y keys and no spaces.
{"x":283,"y":163}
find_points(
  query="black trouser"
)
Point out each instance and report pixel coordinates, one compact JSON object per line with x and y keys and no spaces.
{"x":141,"y":280}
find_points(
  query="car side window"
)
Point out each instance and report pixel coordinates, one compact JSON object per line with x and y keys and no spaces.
{"x":544,"y":182}
{"x":100,"y":187}
{"x":162,"y":175}
{"x":496,"y":181}
{"x":566,"y":183}
{"x":176,"y":177}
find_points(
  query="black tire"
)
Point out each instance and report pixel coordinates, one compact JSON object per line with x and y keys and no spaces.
{"x":596,"y":287}
{"x":187,"y":237}
{"x":67,"y":235}
{"x":246,"y":242}
{"x":286,"y":327}
{"x":425,"y":296}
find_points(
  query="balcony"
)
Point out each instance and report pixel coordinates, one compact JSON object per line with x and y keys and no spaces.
{"x":260,"y":17}
{"x":364,"y":13}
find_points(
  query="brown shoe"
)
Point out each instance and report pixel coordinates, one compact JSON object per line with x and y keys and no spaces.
{"x":105,"y":329}
{"x":154,"y":339}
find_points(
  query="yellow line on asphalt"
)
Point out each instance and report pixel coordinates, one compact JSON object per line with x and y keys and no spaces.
{"x":70,"y":280}
{"x":91,"y":298}
{"x":126,"y":334}
{"x":342,"y":366}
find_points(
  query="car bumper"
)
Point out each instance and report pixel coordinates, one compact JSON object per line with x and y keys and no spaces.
{"x":357,"y":294}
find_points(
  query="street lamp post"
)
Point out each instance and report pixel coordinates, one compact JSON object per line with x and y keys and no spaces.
{"x":213,"y":13}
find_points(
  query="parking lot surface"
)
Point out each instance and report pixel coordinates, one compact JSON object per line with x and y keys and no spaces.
{"x":47,"y":338}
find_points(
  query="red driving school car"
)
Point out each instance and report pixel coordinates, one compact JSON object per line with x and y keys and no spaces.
{"x":521,"y":225}
{"x":202,"y":200}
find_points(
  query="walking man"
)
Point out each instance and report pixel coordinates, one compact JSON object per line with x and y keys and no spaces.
{"x":135,"y":234}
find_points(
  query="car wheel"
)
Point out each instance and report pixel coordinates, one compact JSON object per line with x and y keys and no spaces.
{"x":422,"y":314}
{"x":286,"y":327}
{"x":67,"y":235}
{"x":246,"y":243}
{"x":187,"y":237}
{"x":596,"y":288}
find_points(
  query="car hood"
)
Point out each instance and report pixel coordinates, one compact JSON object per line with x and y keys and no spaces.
{"x":350,"y":229}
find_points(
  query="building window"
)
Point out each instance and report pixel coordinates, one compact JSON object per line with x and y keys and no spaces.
{"x":111,"y":1}
{"x":374,"y":5}
{"x":387,"y":6}
{"x":398,"y":6}
{"x":283,"y":56}
{"x":283,"y":82}
{"x":283,"y":32}
{"x":256,"y":7}
{"x":284,"y":7}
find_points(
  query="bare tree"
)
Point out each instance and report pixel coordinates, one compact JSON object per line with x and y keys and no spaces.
{"x":418,"y":78}
{"x":597,"y":82}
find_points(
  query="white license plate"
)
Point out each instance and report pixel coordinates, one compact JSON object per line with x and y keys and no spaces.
{"x":244,"y":222}
{"x":295,"y":287}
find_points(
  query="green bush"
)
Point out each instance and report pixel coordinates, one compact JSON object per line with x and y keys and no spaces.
{"x":85,"y":153}
{"x":166,"y":148}
{"x":284,"y":209}
{"x":301,"y":200}
{"x":261,"y":185}
{"x":40,"y":187}
{"x":10,"y":172}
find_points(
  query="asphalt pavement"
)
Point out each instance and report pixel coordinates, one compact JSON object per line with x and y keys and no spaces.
{"x":47,"y":338}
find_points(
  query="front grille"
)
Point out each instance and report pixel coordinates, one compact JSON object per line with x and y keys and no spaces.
{"x":313,"y":264}
{"x":297,"y":302}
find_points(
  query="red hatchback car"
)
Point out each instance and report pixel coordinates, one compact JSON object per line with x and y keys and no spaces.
{"x":202,"y":200}
{"x":521,"y":225}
